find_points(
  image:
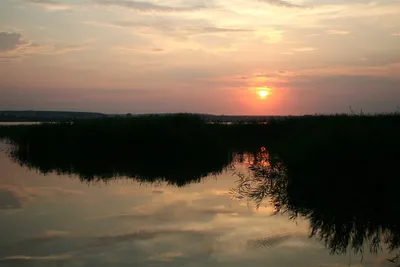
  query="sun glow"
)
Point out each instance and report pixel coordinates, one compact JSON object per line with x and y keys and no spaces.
{"x":263,"y":93}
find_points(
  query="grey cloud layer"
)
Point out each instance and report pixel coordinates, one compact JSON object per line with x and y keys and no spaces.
{"x":173,"y":27}
{"x":281,"y":3}
{"x":145,"y":6}
{"x":180,"y":210}
{"x":14,"y":46}
{"x":142,"y":235}
{"x":219,"y":30}
{"x":9,"y":41}
{"x":9,"y":200}
{"x":51,"y":2}
{"x":77,"y":248}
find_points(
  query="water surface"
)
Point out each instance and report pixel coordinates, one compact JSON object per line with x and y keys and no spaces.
{"x":60,"y":220}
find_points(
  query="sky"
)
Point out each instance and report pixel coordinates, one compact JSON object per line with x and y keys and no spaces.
{"x":203,"y":56}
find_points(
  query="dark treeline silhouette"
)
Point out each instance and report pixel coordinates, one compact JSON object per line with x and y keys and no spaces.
{"x":52,"y":116}
{"x":46,"y":116}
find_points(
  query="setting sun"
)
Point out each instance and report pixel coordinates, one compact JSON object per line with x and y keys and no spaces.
{"x":263,"y":93}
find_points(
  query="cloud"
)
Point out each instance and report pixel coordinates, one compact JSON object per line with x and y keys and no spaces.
{"x":142,"y":49}
{"x":6,"y":58}
{"x":395,"y":34}
{"x":286,"y":73}
{"x":179,"y":210}
{"x":384,"y":71}
{"x":45,"y":243}
{"x":108,"y":240}
{"x":14,"y":46}
{"x":218,"y":30}
{"x":49,"y":4}
{"x":46,"y":237}
{"x":282,"y":3}
{"x":305,"y":49}
{"x":337,"y":32}
{"x":10,"y":200}
{"x":10,"y":41}
{"x":60,"y":245}
{"x":146,"y":6}
{"x":125,"y":24}
{"x":218,"y":192}
{"x":170,"y":34}
{"x":48,"y":49}
{"x":15,"y":197}
{"x":171,"y":27}
{"x":199,"y":30}
{"x":168,"y":256}
{"x":51,"y":191}
{"x":60,"y":257}
{"x":270,"y":36}
{"x":62,"y":49}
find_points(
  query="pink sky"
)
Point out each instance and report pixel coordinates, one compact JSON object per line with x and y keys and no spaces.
{"x":208,"y":56}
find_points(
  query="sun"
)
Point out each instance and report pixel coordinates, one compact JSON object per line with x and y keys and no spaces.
{"x":263,"y":93}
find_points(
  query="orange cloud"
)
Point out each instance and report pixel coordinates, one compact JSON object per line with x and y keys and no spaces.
{"x":50,"y":5}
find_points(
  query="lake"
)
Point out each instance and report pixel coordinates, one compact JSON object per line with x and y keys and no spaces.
{"x":61,"y":220}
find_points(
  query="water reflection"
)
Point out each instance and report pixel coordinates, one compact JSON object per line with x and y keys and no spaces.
{"x":59,"y":221}
{"x":128,"y":223}
{"x":153,"y":166}
{"x":350,"y":207}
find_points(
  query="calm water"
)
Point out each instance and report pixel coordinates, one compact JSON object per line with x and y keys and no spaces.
{"x":57,"y":220}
